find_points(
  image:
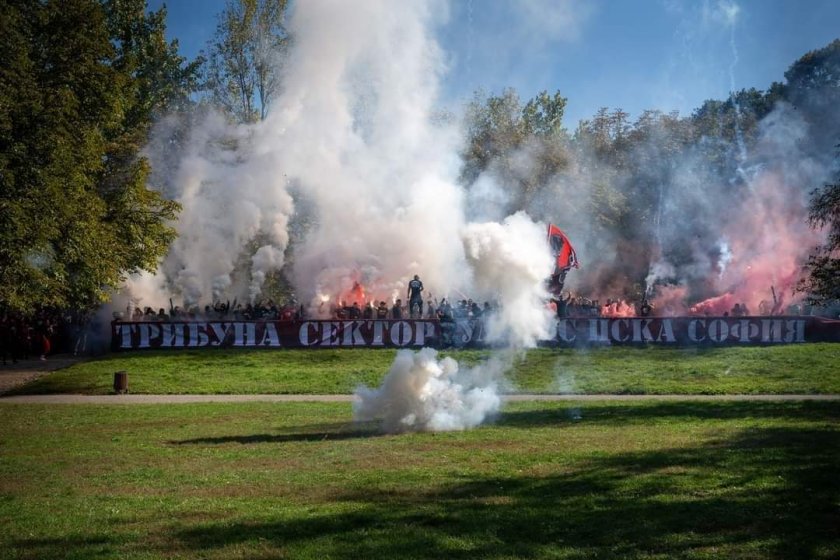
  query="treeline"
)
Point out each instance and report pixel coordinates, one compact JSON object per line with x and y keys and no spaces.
{"x":661,"y":187}
{"x":83,"y":82}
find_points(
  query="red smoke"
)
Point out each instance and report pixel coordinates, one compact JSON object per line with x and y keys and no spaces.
{"x":717,"y":305}
{"x":670,"y":301}
{"x":769,"y":242}
{"x":618,"y":308}
{"x":356,"y":294}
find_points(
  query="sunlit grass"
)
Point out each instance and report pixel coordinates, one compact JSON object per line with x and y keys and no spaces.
{"x":791,"y":369}
{"x":547,"y":480}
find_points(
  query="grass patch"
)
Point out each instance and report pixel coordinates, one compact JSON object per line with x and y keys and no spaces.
{"x":547,"y":480}
{"x":788,"y":369}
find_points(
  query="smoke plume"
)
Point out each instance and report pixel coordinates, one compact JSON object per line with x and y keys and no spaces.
{"x":422,"y":393}
{"x":512,"y":260}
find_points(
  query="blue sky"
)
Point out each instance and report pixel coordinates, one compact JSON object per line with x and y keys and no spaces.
{"x":632,"y":54}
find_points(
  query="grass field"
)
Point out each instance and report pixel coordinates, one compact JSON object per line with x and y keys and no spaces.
{"x":546,"y":480}
{"x":791,"y":369}
{"x":646,"y":480}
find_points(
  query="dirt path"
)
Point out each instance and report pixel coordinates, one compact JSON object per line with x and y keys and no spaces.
{"x":181,"y":399}
{"x":15,"y":374}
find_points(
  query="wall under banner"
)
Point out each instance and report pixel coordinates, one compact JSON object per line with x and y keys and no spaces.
{"x":677,"y":331}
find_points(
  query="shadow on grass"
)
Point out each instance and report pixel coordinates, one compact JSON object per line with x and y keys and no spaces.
{"x":618,"y":414}
{"x":72,"y":546}
{"x":623,"y":414}
{"x":763,"y":493}
{"x":314,"y":432}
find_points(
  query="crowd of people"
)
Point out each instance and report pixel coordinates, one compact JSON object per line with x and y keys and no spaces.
{"x":414,"y":307}
{"x":47,"y":331}
{"x":582,"y":307}
{"x":430,"y":309}
{"x":261,"y":310}
{"x":567,"y":305}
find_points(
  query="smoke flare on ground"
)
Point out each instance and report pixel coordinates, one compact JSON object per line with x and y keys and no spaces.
{"x":424,"y":393}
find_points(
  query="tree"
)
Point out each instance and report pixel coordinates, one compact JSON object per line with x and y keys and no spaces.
{"x":494,"y":128}
{"x":813,"y":87}
{"x":75,"y":106}
{"x":161,"y":79}
{"x":243,"y":64}
{"x":816,"y":70}
{"x":543,"y":115}
{"x":822,"y":283}
{"x":157,"y":80}
{"x":522,"y":146}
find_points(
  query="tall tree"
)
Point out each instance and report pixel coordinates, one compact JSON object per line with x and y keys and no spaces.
{"x":157,"y":80}
{"x":245,"y":56}
{"x":77,"y":216}
{"x":161,"y":79}
{"x":822,"y":282}
{"x":522,"y":145}
{"x":813,"y":87}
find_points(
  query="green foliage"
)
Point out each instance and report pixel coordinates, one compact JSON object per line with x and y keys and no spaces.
{"x":502,"y":134}
{"x":816,"y":70}
{"x":822,"y":282}
{"x":242,"y":74}
{"x":83,"y":81}
{"x":160,"y":79}
{"x":543,"y":115}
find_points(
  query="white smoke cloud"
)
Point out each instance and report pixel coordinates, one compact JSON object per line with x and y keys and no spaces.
{"x":233,"y":192}
{"x":422,"y":393}
{"x":356,"y":122}
{"x":512,"y":260}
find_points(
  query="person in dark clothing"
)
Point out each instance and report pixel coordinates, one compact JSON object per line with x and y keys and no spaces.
{"x":396,"y":311}
{"x":563,"y":304}
{"x":382,"y":311}
{"x":8,"y":339}
{"x":447,"y":322}
{"x":415,"y":297}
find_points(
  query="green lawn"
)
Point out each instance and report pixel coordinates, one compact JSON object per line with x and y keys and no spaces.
{"x":299,"y":480}
{"x":791,"y":369}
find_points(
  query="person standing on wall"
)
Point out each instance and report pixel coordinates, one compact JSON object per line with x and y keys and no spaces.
{"x":415,"y":297}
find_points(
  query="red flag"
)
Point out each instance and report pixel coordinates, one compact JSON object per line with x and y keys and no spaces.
{"x":564,"y":253}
